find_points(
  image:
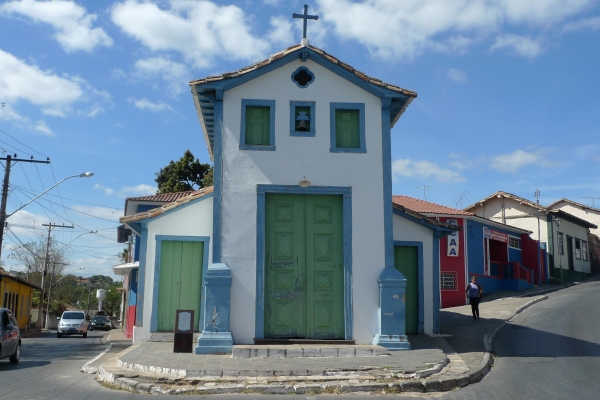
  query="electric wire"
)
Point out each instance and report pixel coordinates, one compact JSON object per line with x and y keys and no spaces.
{"x":43,"y":155}
{"x":66,"y":198}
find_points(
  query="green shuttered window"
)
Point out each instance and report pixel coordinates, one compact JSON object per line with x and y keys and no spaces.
{"x":257,"y":125}
{"x":347,"y":128}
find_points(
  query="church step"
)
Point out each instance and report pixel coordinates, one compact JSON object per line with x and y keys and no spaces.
{"x":309,"y":350}
{"x":168,"y":337}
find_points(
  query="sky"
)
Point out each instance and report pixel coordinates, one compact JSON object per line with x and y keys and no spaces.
{"x":507,"y":98}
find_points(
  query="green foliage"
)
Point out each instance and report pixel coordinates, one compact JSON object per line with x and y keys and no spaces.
{"x":124,"y":255}
{"x":183,"y":175}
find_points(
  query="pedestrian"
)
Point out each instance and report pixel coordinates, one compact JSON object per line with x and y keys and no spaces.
{"x":474,"y":291}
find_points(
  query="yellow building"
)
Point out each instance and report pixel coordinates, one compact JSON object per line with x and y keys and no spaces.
{"x":15,"y":294}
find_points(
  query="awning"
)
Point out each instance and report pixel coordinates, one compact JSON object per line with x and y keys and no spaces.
{"x":125,"y":269}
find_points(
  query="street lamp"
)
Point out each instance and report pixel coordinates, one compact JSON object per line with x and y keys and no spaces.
{"x":558,"y":239}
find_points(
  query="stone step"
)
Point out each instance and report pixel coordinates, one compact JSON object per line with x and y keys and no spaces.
{"x":315,"y":350}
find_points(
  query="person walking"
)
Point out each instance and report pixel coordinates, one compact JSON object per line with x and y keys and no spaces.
{"x":474,"y":291}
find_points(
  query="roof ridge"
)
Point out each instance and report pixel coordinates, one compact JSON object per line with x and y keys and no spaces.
{"x":462,"y":212}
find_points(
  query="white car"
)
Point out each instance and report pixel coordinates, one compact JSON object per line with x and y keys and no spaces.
{"x":72,"y":323}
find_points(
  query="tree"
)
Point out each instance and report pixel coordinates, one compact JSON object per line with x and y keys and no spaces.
{"x":33,"y":254}
{"x":183,"y":175}
{"x":124,"y":255}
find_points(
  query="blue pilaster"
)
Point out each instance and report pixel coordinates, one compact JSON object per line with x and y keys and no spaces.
{"x":392,"y":311}
{"x":216,"y":333}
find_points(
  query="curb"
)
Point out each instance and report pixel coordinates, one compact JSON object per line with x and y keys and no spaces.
{"x":415,"y":385}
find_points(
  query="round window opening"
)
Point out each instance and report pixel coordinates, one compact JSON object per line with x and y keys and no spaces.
{"x":303,"y":77}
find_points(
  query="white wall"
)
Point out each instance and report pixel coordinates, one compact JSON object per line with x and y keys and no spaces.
{"x":193,"y":219}
{"x":585,"y":214}
{"x":576,"y":232}
{"x":409,"y":231}
{"x":294,"y":158}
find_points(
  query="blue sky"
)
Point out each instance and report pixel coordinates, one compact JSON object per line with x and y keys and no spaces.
{"x":507,"y":97}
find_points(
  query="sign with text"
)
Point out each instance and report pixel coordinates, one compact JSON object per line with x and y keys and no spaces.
{"x":495,"y":235}
{"x":453,"y":240}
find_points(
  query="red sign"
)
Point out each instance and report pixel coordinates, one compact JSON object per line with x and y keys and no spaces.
{"x":495,"y":235}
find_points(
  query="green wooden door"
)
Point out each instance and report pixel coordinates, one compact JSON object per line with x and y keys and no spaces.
{"x":406,"y":261}
{"x":180,"y":282}
{"x":304,"y":278}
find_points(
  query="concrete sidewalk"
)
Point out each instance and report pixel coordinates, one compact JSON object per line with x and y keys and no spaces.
{"x":458,"y":356}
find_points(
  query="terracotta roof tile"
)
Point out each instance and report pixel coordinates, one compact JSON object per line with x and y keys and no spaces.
{"x":163,"y":197}
{"x":510,"y":196}
{"x":426,"y":207}
{"x":181,"y":200}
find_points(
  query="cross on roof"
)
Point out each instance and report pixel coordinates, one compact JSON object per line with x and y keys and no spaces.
{"x":305,"y":17}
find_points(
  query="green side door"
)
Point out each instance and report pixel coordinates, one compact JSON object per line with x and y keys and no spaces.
{"x":180,"y":281}
{"x":406,"y":261}
{"x":304,"y":278}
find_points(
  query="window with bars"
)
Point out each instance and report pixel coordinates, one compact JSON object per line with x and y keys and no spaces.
{"x":448,"y":280}
{"x":514,"y":242}
{"x":584,"y":250}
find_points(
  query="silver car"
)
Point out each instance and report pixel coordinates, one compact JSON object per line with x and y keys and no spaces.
{"x":10,"y":337}
{"x":72,"y":323}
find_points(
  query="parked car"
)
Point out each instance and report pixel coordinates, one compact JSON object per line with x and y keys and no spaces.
{"x":100,"y":322}
{"x":72,"y":323}
{"x":10,"y":337}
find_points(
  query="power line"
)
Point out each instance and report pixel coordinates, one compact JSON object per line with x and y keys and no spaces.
{"x":43,"y":155}
{"x":78,"y":201}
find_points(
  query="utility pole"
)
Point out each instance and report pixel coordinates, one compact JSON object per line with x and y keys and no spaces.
{"x":9,"y":160}
{"x":537,"y":199}
{"x":41,"y":306}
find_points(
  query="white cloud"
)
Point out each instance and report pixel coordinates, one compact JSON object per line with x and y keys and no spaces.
{"x":145,"y":104}
{"x":393,"y":29}
{"x":423,"y":169}
{"x":139,"y":190}
{"x":42,"y":127}
{"x":108,"y":191}
{"x":95,"y":211}
{"x":281,"y":31}
{"x":521,"y":45}
{"x":175,"y":74}
{"x":24,"y":218}
{"x":20,"y":81}
{"x":457,"y":75}
{"x":72,"y":23}
{"x":513,"y":162}
{"x":592,"y":24}
{"x":200,"y":31}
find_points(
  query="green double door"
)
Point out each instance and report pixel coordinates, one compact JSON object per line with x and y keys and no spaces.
{"x":180,"y":282}
{"x":304,"y":271}
{"x":406,"y":261}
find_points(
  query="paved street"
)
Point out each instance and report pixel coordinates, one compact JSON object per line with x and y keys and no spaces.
{"x":550,"y":351}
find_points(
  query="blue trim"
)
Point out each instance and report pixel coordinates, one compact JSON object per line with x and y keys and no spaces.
{"x":260,"y":103}
{"x":362,"y":148}
{"x":419,"y":246}
{"x":346,"y":192}
{"x":155,"y":287}
{"x":309,"y":72}
{"x":218,"y":183}
{"x":293,"y":131}
{"x":386,"y":161}
{"x":436,"y":283}
{"x":139,"y":315}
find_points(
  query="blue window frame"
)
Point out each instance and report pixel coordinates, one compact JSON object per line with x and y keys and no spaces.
{"x":253,"y":104}
{"x":302,"y":111}
{"x":356,"y":114}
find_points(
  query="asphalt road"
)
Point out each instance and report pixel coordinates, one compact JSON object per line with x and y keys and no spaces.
{"x":550,"y":351}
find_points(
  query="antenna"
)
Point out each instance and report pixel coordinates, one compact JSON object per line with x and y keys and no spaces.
{"x":424,"y":191}
{"x":537,"y":196}
{"x":459,"y":203}
{"x":589,"y":197}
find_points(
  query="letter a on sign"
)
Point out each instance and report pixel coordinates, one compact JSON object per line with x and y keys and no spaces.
{"x":453,"y":240}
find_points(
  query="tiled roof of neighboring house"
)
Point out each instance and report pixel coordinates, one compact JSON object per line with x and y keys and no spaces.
{"x":20,"y":280}
{"x":181,"y":200}
{"x":159,"y":198}
{"x":572,"y":218}
{"x":510,"y":196}
{"x":431,"y":221}
{"x":427,"y":207}
{"x":205,"y":109}
{"x":583,"y":206}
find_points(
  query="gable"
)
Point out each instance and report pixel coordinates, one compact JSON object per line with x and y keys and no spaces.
{"x":206,"y":92}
